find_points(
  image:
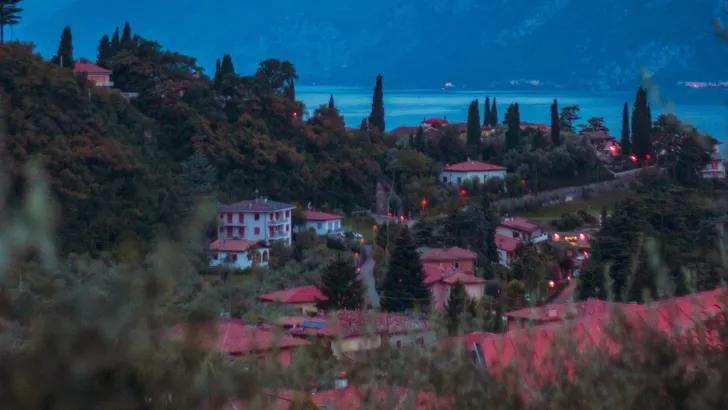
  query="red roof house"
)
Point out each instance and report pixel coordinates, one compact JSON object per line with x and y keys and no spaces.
{"x":435,"y":122}
{"x":303,"y":298}
{"x":507,"y":246}
{"x":322,"y":223}
{"x":475,"y":171}
{"x":444,"y":268}
{"x":100,"y":76}
{"x":238,"y":253}
{"x":523,"y":229}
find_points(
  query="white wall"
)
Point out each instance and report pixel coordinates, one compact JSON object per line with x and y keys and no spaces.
{"x":244,"y":224}
{"x":321,"y":227}
{"x":452,"y":177}
{"x":503,"y":258}
{"x":242,"y":262}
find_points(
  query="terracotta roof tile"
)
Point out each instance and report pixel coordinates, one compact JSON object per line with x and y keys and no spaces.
{"x":262,"y":205}
{"x":320,"y":216}
{"x":89,"y":68}
{"x":232,"y":245}
{"x":448,"y":254}
{"x":473,"y":166}
{"x":520,"y":224}
{"x":435,"y":274}
{"x":506,"y":243}
{"x":301,"y":294}
{"x":347,"y":323}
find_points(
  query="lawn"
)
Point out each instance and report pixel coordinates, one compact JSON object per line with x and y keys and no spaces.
{"x":363,"y":225}
{"x":592,"y":205}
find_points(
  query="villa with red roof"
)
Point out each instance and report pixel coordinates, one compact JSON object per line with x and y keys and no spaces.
{"x":520,"y":228}
{"x":100,"y":76}
{"x":238,"y":339}
{"x":444,"y":268}
{"x":238,"y":254}
{"x":322,"y":223}
{"x":256,"y":220}
{"x":471,"y":170}
{"x":507,"y":246}
{"x":303,"y":298}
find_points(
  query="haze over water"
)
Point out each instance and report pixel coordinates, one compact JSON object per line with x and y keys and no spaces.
{"x":707,"y":112}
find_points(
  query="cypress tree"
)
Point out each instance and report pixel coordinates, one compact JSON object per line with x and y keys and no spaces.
{"x":457,"y":303}
{"x":376,"y":118}
{"x":494,"y":114}
{"x":625,"y":142}
{"x":513,"y":120}
{"x":216,"y":79}
{"x":555,"y":124}
{"x":419,"y":140}
{"x":641,"y":138}
{"x":403,"y":288}
{"x":331,"y":101}
{"x":126,"y":36}
{"x":342,"y":286}
{"x":226,"y":67}
{"x":473,"y":130}
{"x":115,"y":42}
{"x":486,"y":114}
{"x":104,"y":51}
{"x":64,"y":56}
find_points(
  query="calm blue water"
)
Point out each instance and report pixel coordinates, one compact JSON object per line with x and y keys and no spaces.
{"x":707,"y":112}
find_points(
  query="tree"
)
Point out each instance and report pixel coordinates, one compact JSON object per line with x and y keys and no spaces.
{"x":473,"y":130}
{"x":641,"y":126}
{"x":532,"y":267}
{"x":403,"y":288}
{"x":458,"y":303}
{"x":493,"y":114}
{"x":486,"y":113}
{"x":569,"y":115}
{"x":625,"y":142}
{"x":64,"y":56}
{"x":198,"y":178}
{"x":126,"y":36}
{"x":115,"y":42}
{"x":376,"y":118}
{"x":104,"y":51}
{"x":216,"y":78}
{"x":9,"y":16}
{"x":226,"y":67}
{"x":513,"y":120}
{"x":331,"y":101}
{"x":555,"y":124}
{"x":342,"y":286}
{"x":596,"y":124}
{"x":419,"y":140}
{"x":693,"y":155}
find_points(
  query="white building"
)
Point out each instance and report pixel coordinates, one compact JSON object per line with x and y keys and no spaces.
{"x":716,"y":168}
{"x":238,"y":253}
{"x":257,"y":220}
{"x":321,"y":222}
{"x":522,"y":229}
{"x":507,"y":246}
{"x":472,"y":170}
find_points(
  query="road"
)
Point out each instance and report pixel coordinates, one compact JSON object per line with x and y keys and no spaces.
{"x":367,"y":274}
{"x":566,"y":295}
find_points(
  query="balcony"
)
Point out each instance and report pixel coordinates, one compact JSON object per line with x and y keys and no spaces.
{"x":278,"y":221}
{"x":540,"y":238}
{"x":278,"y":235}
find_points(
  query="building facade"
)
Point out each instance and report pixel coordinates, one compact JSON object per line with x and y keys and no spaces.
{"x":716,"y":167}
{"x":100,"y":76}
{"x":238,"y":254}
{"x":322,"y":223}
{"x":475,"y":171}
{"x":257,"y":220}
{"x":522,"y":229}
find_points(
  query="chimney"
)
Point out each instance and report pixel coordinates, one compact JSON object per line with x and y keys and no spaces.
{"x":341,"y":382}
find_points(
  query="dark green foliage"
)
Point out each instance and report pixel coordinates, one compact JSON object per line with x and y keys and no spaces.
{"x":64,"y":56}
{"x":494,"y":114}
{"x":513,"y":121}
{"x":403,"y":288}
{"x":458,"y":303}
{"x":473,"y":130}
{"x":115,"y":42}
{"x":342,"y":286}
{"x":555,"y":124}
{"x":376,"y":118}
{"x":625,"y":142}
{"x":641,"y":126}
{"x":486,"y":112}
{"x":693,"y":155}
{"x":125,"y":41}
{"x":568,"y":116}
{"x":104,"y":51}
{"x":198,"y":179}
{"x":227,"y":65}
{"x":474,"y":228}
{"x":9,"y":16}
{"x":418,"y":141}
{"x":331,"y":101}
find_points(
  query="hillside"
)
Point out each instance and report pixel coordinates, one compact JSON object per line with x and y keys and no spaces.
{"x":595,"y":44}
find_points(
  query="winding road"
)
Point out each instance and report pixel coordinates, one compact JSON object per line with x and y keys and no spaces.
{"x":367,"y":274}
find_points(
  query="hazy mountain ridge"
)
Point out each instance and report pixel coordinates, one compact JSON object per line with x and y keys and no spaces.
{"x":423,"y":43}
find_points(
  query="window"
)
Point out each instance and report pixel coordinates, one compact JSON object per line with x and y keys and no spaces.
{"x":516,"y":235}
{"x":214,"y":256}
{"x":265,"y":256}
{"x":456,"y":265}
{"x":230,"y":232}
{"x":257,"y":231}
{"x":319,"y":225}
{"x":287,"y":227}
{"x":399,"y":344}
{"x":715,"y":165}
{"x":230,"y":218}
{"x":460,"y":180}
{"x":222,"y":230}
{"x":257,"y":217}
{"x":288,"y":213}
{"x":234,"y":257}
{"x":420,"y":341}
{"x":444,"y":179}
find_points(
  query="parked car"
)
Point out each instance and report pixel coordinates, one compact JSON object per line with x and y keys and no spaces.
{"x":357,"y":235}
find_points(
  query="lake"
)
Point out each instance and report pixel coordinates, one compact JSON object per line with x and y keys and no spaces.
{"x":706,"y":110}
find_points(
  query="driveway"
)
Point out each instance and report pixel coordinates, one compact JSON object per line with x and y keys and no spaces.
{"x":567,"y":295}
{"x":367,"y":275}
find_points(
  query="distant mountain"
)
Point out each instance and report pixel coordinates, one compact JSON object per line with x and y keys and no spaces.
{"x":596,"y":44}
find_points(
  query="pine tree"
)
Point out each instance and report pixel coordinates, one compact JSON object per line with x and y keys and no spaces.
{"x":104,"y":51}
{"x":473,"y":133}
{"x":513,"y":120}
{"x":457,"y":303}
{"x":493,"y":114}
{"x":625,"y":142}
{"x":331,"y":101}
{"x":342,"y":286}
{"x":419,"y":140}
{"x":9,"y":16}
{"x":126,"y":36}
{"x":403,"y":288}
{"x":64,"y":56}
{"x":376,"y":118}
{"x":555,"y":124}
{"x":115,"y":42}
{"x":486,"y":114}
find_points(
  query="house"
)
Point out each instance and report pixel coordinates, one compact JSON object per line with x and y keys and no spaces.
{"x":507,"y":246}
{"x":302,"y":298}
{"x":434,"y":122}
{"x":404,"y":131}
{"x":441,"y":281}
{"x":472,"y":170}
{"x":322,"y":223}
{"x":238,"y":339}
{"x":100,"y":76}
{"x":602,"y":142}
{"x":355,"y":331}
{"x":238,"y":253}
{"x":521,"y":318}
{"x":543,"y":128}
{"x":452,"y":259}
{"x":716,"y":167}
{"x":579,"y":240}
{"x":256,"y":220}
{"x":520,"y":228}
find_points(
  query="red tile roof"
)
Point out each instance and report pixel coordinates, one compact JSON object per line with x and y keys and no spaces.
{"x":404,"y":131}
{"x":465,"y":278}
{"x":448,"y":255}
{"x":395,"y":398}
{"x":89,"y":68}
{"x":473,"y":166}
{"x":435,"y":274}
{"x":558,"y":312}
{"x":433,"y":121}
{"x":236,"y":338}
{"x":520,"y":224}
{"x":301,"y":294}
{"x":320,"y":216}
{"x":347,"y":323}
{"x":262,"y":205}
{"x":507,"y":243}
{"x":232,"y":245}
